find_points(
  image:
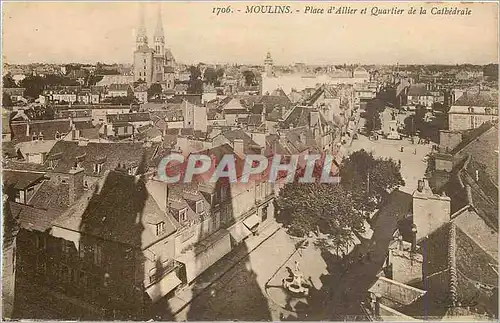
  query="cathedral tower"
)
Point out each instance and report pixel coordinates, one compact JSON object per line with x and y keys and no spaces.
{"x":159,"y":37}
{"x":142,"y":35}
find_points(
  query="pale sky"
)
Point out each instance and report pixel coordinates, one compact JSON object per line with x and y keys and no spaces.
{"x":87,"y":32}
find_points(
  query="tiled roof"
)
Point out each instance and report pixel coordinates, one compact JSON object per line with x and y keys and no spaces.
{"x":418,"y":90}
{"x":110,"y":154}
{"x":459,"y":269}
{"x":51,"y":196}
{"x":48,"y":128}
{"x":254,"y":120}
{"x":119,"y":87}
{"x":20,"y":180}
{"x":31,"y":218}
{"x":120,"y":209}
{"x":19,"y":91}
{"x":128,"y":117}
{"x":250,"y":146}
{"x":480,"y":99}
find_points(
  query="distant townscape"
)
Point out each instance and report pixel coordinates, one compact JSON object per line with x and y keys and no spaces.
{"x":92,"y":233}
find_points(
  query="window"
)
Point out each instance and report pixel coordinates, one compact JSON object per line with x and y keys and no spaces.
{"x":58,"y":135}
{"x":183,"y":215}
{"x":66,"y":248}
{"x":472,"y":122}
{"x":105,"y":281}
{"x":97,"y":168}
{"x":264,"y":213}
{"x":487,"y":111}
{"x":160,"y":228}
{"x":41,"y":242}
{"x":34,"y":137}
{"x":199,"y":207}
{"x":40,"y":136}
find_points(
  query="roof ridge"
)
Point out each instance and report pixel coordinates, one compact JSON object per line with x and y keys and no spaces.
{"x":452,"y":263}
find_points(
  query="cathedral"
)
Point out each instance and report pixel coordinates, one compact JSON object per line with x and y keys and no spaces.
{"x":153,"y":64}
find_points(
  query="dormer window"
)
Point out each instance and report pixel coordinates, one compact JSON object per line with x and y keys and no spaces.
{"x":34,"y":137}
{"x":58,"y":135}
{"x":40,"y":136}
{"x":98,"y":168}
{"x":183,"y":215}
{"x":199,"y":207}
{"x":160,"y":228}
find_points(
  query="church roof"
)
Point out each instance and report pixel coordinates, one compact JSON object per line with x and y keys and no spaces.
{"x":159,"y":25}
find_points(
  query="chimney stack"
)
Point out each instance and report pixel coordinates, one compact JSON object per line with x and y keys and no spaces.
{"x":238,"y":146}
{"x":420,"y":187}
{"x":75,"y":183}
{"x":378,"y":297}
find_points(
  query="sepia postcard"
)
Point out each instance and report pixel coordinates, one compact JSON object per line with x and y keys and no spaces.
{"x":250,"y":161}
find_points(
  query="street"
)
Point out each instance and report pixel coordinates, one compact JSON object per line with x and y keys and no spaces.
{"x":240,"y":294}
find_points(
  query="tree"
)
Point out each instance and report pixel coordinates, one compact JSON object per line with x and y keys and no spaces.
{"x":195,"y":83}
{"x":8,"y":81}
{"x":210,"y":75}
{"x":306,"y":207}
{"x":369,"y":179}
{"x":154,"y":89}
{"x":372,"y":115}
{"x":250,"y":79}
{"x":34,"y":86}
{"x":6,"y":100}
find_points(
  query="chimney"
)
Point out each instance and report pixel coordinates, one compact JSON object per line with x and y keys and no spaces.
{"x":75,"y":183}
{"x":420,"y":187}
{"x":302,"y":138}
{"x":378,"y":297}
{"x":28,"y":129}
{"x":238,"y":146}
{"x":314,"y":118}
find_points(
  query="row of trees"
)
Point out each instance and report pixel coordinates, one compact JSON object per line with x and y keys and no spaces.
{"x":338,"y":210}
{"x":372,"y":115}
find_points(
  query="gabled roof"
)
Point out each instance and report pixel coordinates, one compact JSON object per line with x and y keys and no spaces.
{"x":418,"y":90}
{"x":30,"y":218}
{"x":109,"y":154}
{"x":479,"y":99}
{"x":20,"y":180}
{"x":119,"y":87}
{"x":128,"y":117}
{"x":248,"y":143}
{"x":48,"y":128}
{"x":454,"y":261}
{"x":120,"y":208}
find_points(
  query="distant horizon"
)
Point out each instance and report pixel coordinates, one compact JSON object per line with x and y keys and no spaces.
{"x":54,"y":32}
{"x":276,"y":65}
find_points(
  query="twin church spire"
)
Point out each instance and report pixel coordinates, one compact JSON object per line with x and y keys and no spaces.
{"x":158,"y":37}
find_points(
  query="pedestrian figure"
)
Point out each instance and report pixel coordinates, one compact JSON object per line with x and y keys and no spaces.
{"x":402,"y":148}
{"x":399,"y":163}
{"x":415,"y":151}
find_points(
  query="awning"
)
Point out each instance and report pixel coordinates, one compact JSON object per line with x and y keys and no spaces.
{"x":252,"y":221}
{"x":239,"y":232}
{"x":163,"y":287}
